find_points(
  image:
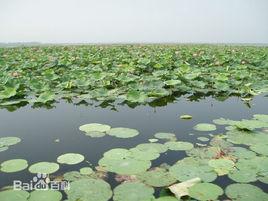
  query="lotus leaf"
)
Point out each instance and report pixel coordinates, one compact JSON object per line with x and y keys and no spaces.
{"x":70,"y":158}
{"x":205,"y":191}
{"x":51,"y":195}
{"x":205,"y":127}
{"x":44,"y":167}
{"x":14,"y":165}
{"x":168,"y":136}
{"x":14,"y":195}
{"x":123,"y":132}
{"x":221,"y":166}
{"x":179,"y":146}
{"x":95,"y":127}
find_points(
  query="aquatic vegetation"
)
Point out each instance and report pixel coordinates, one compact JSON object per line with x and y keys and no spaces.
{"x":166,"y":136}
{"x":13,"y":165}
{"x":132,"y":73}
{"x":44,"y":167}
{"x":122,"y":132}
{"x":51,"y":195}
{"x":86,"y":171}
{"x":205,"y":191}
{"x":13,"y":195}
{"x":70,"y":158}
{"x":5,"y":142}
{"x":205,"y":127}
{"x":179,"y":146}
{"x":186,"y":116}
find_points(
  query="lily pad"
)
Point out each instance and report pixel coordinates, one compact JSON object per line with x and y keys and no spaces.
{"x":179,"y":146}
{"x":121,"y":132}
{"x":95,"y":127}
{"x":168,"y":136}
{"x":133,"y":191}
{"x":44,"y":167}
{"x":205,"y":127}
{"x":95,"y":134}
{"x":14,"y":165}
{"x":260,"y":149}
{"x":245,"y":192}
{"x":14,"y":195}
{"x":243,"y":176}
{"x":51,"y":195}
{"x":86,"y":171}
{"x":8,"y":141}
{"x":203,"y":139}
{"x":139,"y":155}
{"x":205,"y":191}
{"x":156,"y":147}
{"x":89,"y":190}
{"x":221,"y":166}
{"x":70,"y":158}
{"x":158,"y":177}
{"x":261,"y":117}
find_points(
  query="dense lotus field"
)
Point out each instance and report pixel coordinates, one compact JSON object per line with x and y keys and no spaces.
{"x":135,"y":75}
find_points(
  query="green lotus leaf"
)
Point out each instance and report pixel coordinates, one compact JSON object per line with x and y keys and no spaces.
{"x":73,"y":176}
{"x":221,"y":166}
{"x":243,"y":176}
{"x":123,"y":132}
{"x":14,"y":165}
{"x":205,"y":127}
{"x":14,"y":195}
{"x":8,"y":92}
{"x":3,"y":148}
{"x":133,"y":191}
{"x":156,"y":147}
{"x":205,"y":191}
{"x":44,"y":167}
{"x":240,"y":152}
{"x":261,"y":117}
{"x":117,"y":153}
{"x":158,"y":177}
{"x":179,"y":146}
{"x":203,"y":139}
{"x":168,"y":136}
{"x":95,"y":127}
{"x":222,"y":121}
{"x":260,"y":148}
{"x":8,"y":141}
{"x":166,"y":198}
{"x":86,"y":171}
{"x":245,"y":192}
{"x":95,"y":134}
{"x":203,"y":152}
{"x":172,"y":82}
{"x":136,"y":96}
{"x":89,"y":190}
{"x":70,"y":158}
{"x":139,"y":155}
{"x":186,"y":116}
{"x":45,"y":97}
{"x":51,"y":195}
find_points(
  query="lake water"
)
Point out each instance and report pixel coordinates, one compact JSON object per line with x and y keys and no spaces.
{"x":40,"y":127}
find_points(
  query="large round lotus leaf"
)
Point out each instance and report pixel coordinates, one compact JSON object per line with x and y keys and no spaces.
{"x":123,"y":132}
{"x":157,"y":178}
{"x":261,"y":117}
{"x":259,"y":164}
{"x":245,"y":192}
{"x":221,"y":166}
{"x":205,"y":127}
{"x":205,"y":191}
{"x":166,"y":198}
{"x":14,"y":165}
{"x":189,"y":169}
{"x":8,"y":141}
{"x":133,"y":192}
{"x":243,"y":176}
{"x":222,"y":121}
{"x":165,"y":135}
{"x":95,"y":127}
{"x":89,"y":190}
{"x":86,"y":171}
{"x":156,"y":147}
{"x":179,"y":146}
{"x":245,"y":124}
{"x":241,"y":152}
{"x":260,"y":149}
{"x":73,"y":176}
{"x":246,"y":137}
{"x":14,"y":195}
{"x":46,"y":195}
{"x":117,"y":153}
{"x":70,"y":158}
{"x":126,"y":166}
{"x":95,"y":134}
{"x":203,"y":152}
{"x":139,"y":155}
{"x":219,"y":141}
{"x":44,"y":167}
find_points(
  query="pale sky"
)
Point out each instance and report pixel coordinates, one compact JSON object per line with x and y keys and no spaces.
{"x":134,"y":21}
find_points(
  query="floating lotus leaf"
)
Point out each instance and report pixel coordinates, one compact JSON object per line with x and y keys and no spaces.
{"x":73,"y":176}
{"x":260,"y":148}
{"x":157,"y":147}
{"x":139,"y":155}
{"x":186,"y":116}
{"x":258,"y":163}
{"x":3,"y":148}
{"x":14,"y":165}
{"x":190,"y":168}
{"x":245,"y":192}
{"x":203,"y":139}
{"x":205,"y":191}
{"x":240,"y":152}
{"x":89,"y":190}
{"x":264,"y":179}
{"x":179,"y":146}
{"x":205,"y":127}
{"x":123,"y":132}
{"x":250,"y":124}
{"x":8,"y":141}
{"x":172,"y":82}
{"x":125,"y":166}
{"x":261,"y":117}
{"x":220,"y":142}
{"x":95,"y":134}
{"x":221,"y":166}
{"x":14,"y":195}
{"x":44,"y":167}
{"x":166,"y":198}
{"x":133,"y":191}
{"x":136,"y":96}
{"x":222,"y":121}
{"x":168,"y":136}
{"x":86,"y":171}
{"x":51,"y":195}
{"x":243,"y":176}
{"x":203,"y":152}
{"x":70,"y":158}
{"x":95,"y":127}
{"x":158,"y":177}
{"x":117,"y":153}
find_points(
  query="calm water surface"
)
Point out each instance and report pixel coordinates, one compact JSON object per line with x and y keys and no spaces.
{"x":39,"y":127}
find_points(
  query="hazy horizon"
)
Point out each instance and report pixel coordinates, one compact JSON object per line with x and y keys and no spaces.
{"x":134,"y":21}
